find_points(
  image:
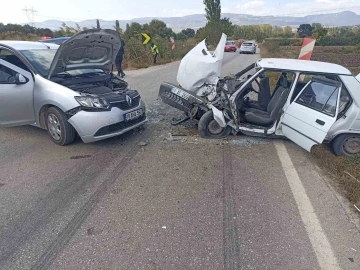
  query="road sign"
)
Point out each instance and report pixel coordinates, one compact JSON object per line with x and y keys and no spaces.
{"x":172,"y":43}
{"x":145,"y":38}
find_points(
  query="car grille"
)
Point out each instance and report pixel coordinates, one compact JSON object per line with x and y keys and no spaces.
{"x":119,"y":126}
{"x":124,"y":105}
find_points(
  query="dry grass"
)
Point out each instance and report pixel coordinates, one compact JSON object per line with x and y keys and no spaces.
{"x":345,"y":170}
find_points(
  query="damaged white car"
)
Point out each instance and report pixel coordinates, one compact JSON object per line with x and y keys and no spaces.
{"x":307,"y":102}
{"x":68,"y":89}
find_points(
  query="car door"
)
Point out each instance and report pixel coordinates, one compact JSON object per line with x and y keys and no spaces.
{"x":16,"y":95}
{"x":309,"y":117}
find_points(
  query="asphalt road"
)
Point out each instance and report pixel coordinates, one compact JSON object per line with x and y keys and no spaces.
{"x":179,"y":202}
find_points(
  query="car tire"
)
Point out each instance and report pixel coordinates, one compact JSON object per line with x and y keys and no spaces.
{"x":209,"y":128}
{"x":58,"y":128}
{"x":346,"y":145}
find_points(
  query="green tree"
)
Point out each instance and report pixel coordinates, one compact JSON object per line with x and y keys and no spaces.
{"x":212,"y":10}
{"x":288,"y":33}
{"x":319,"y":32}
{"x":97,"y":24}
{"x":117,"y":27}
{"x":305,"y":30}
{"x":188,"y":32}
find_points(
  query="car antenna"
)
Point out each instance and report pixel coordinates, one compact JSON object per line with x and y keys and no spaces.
{"x":45,"y":45}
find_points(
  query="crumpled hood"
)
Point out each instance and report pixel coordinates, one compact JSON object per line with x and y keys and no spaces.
{"x":199,"y":66}
{"x":89,"y":49}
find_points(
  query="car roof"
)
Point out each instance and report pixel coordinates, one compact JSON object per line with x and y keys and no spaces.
{"x":27,"y":45}
{"x":303,"y":65}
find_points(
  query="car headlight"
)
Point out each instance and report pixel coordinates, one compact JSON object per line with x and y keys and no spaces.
{"x":92,"y":102}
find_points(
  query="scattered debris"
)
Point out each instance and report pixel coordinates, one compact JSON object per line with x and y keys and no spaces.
{"x":164,"y":227}
{"x":142,"y":144}
{"x":357,"y":207}
{"x":353,"y":249}
{"x":351,"y":260}
{"x":80,"y":157}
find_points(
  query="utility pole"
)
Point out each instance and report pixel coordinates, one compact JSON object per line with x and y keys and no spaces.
{"x":30,"y":13}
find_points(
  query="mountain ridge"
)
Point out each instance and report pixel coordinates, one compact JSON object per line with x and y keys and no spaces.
{"x":195,"y":21}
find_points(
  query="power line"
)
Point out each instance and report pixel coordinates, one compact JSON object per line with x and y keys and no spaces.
{"x":30,"y":13}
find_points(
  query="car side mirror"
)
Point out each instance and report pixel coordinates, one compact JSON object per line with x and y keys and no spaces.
{"x":20,"y":79}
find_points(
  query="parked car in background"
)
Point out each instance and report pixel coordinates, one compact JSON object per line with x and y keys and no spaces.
{"x":230,"y":46}
{"x":248,"y":47}
{"x":58,"y":40}
{"x":68,"y":89}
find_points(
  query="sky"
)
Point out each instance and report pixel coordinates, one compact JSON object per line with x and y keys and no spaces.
{"x":78,"y":10}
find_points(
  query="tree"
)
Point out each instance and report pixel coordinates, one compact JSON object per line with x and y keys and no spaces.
{"x":319,"y":31}
{"x":188,"y":32}
{"x":97,"y":24}
{"x":288,"y":33}
{"x":305,"y":30}
{"x":117,"y":27}
{"x":212,"y":10}
{"x":227,"y":27}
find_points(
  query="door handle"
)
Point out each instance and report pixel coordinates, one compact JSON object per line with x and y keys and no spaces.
{"x":320,"y":122}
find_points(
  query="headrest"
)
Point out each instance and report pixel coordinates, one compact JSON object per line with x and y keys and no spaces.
{"x":283,"y":81}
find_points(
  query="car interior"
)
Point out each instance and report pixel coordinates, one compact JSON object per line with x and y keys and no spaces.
{"x":270,"y":100}
{"x":12,"y":59}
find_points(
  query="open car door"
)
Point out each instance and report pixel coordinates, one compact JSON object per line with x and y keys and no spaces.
{"x":310,"y":116}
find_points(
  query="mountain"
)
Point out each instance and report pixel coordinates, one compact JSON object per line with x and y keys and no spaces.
{"x":345,"y":18}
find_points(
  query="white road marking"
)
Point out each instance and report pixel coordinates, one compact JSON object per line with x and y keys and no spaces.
{"x":324,"y":253}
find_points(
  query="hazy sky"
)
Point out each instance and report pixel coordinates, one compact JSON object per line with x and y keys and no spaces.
{"x":77,"y":10}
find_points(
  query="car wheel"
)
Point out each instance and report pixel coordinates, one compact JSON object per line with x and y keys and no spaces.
{"x":59,"y":129}
{"x":346,"y":145}
{"x":209,"y":128}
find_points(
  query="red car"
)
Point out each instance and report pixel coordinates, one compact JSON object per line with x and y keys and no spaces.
{"x":230,"y":46}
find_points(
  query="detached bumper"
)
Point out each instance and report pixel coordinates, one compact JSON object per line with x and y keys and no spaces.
{"x":96,"y":126}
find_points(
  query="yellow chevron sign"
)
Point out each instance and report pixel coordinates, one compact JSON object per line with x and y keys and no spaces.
{"x":146,"y":38}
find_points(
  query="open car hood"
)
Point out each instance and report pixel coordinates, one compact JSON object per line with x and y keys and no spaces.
{"x":89,"y":49}
{"x":200,"y":66}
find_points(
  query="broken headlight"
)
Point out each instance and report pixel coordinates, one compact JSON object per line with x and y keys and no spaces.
{"x":90,"y":102}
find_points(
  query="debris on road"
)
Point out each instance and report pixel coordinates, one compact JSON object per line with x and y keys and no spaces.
{"x":142,"y":144}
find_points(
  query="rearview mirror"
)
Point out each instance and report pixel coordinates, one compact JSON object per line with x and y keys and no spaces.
{"x":20,"y":79}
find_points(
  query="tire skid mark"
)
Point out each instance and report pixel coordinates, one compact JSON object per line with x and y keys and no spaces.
{"x":230,"y":234}
{"x":48,"y":257}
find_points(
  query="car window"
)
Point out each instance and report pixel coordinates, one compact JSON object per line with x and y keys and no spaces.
{"x":7,"y":75}
{"x":320,"y":97}
{"x":345,"y":101}
{"x":11,"y":58}
{"x":247,"y":44}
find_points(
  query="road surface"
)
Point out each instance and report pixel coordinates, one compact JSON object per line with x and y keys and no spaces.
{"x":163,"y":198}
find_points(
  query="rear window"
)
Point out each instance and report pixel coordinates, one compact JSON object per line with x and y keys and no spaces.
{"x":247,"y":44}
{"x":230,"y":43}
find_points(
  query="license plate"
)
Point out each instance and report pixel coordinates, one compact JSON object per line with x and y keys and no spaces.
{"x":180,"y":93}
{"x":133,"y":115}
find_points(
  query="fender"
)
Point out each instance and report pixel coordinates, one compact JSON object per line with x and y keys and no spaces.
{"x":219,"y":116}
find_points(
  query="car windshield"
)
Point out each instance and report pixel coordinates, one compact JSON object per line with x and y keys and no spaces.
{"x":42,"y":59}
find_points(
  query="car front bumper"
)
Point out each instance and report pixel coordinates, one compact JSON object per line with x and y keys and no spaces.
{"x":96,"y":126}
